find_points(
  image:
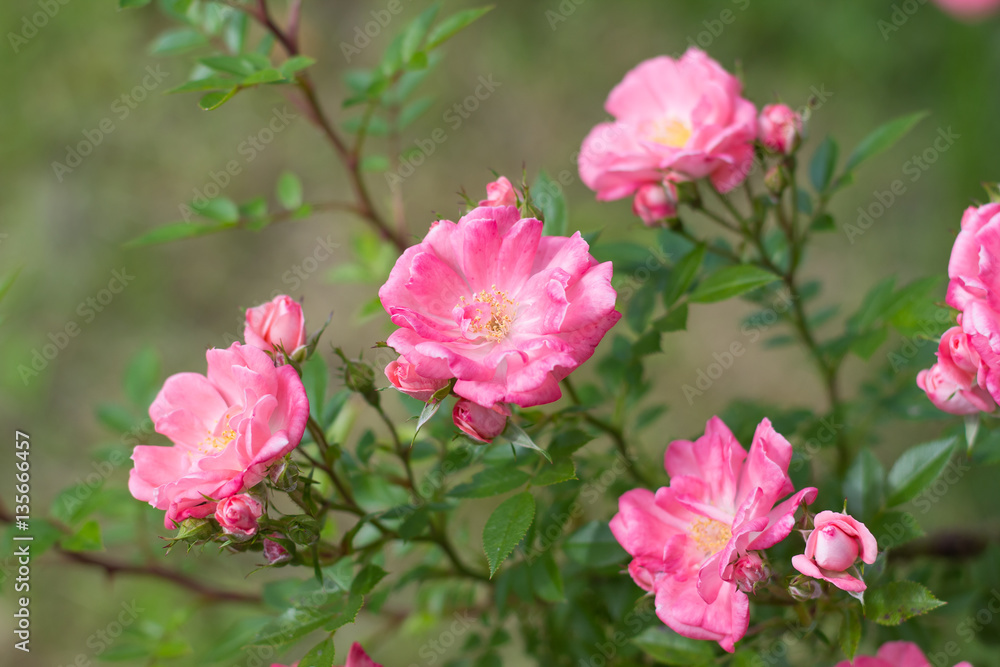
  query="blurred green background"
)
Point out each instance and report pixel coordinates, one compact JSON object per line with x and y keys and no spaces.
{"x":554,"y":63}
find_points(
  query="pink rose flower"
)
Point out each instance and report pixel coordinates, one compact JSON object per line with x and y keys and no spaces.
{"x":500,"y":193}
{"x":833,"y":547}
{"x":238,"y":515}
{"x":951,"y":383}
{"x":895,"y":654}
{"x":227,"y":429}
{"x":405,"y":378}
{"x":969,"y":10}
{"x":779,"y":128}
{"x":655,"y":202}
{"x":683,"y":119}
{"x":479,"y":423}
{"x":690,"y":540}
{"x":356,"y":658}
{"x":276,"y":324}
{"x":749,"y":571}
{"x":490,"y":301}
{"x":274,"y":552}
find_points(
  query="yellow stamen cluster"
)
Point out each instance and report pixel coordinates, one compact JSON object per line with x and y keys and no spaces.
{"x":502,"y":311}
{"x":213,"y":444}
{"x":709,"y":534}
{"x":671,"y":132}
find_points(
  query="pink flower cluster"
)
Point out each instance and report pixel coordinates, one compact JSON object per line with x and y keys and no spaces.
{"x":491,"y":304}
{"x":227,"y":427}
{"x":966,"y":378}
{"x":696,"y":543}
{"x":677,"y":121}
{"x":894,"y":654}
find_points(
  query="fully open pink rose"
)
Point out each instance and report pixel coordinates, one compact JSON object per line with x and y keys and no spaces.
{"x":227,"y":429}
{"x":490,"y":301}
{"x":894,"y":654}
{"x":479,"y":423}
{"x":277,"y":324}
{"x":655,"y":202}
{"x":238,"y":515}
{"x":500,"y":193}
{"x":690,"y":541}
{"x":356,"y":658}
{"x":969,"y":9}
{"x":405,"y":378}
{"x":952,"y":383}
{"x":779,"y":128}
{"x":684,"y":119}
{"x":833,"y":547}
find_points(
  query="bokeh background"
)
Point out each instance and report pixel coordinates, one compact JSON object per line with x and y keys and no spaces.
{"x":554,"y":61}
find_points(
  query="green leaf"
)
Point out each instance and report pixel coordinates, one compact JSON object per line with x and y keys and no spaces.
{"x":297,"y":622}
{"x":516,"y":435}
{"x":556,"y":473}
{"x":850,"y":632}
{"x":546,"y":580}
{"x":294,"y":64}
{"x":491,"y":482}
{"x":868,"y":343}
{"x":892,"y":528}
{"x":127,"y":4}
{"x":882,"y":138}
{"x":320,"y":655}
{"x":823,"y":162}
{"x":916,"y":468}
{"x":683,"y":274}
{"x":376,"y":163}
{"x":873,"y":306}
{"x":669,"y":648}
{"x":412,"y":111}
{"x":290,"y":191}
{"x":213,"y":101}
{"x":179,"y":230}
{"x":863,"y":485}
{"x":239,"y":65}
{"x":267,"y":75}
{"x":8,"y":281}
{"x":213,"y":82}
{"x":823,"y":223}
{"x":732,"y":281}
{"x":367,"y":579}
{"x":452,"y":25}
{"x":675,"y":320}
{"x":220,"y":208}
{"x":414,"y":35}
{"x":594,"y":545}
{"x":142,"y":377}
{"x":548,"y":197}
{"x":88,"y":538}
{"x":898,"y":601}
{"x":506,"y":527}
{"x":177,"y":41}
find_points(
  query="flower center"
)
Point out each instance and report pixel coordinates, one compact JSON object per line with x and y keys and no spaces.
{"x":709,"y":534}
{"x":490,"y":314}
{"x":670,"y":132}
{"x":213,"y":444}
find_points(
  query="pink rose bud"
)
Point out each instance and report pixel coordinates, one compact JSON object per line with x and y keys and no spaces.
{"x":955,"y":346}
{"x":238,"y":515}
{"x":655,"y":202}
{"x":953,"y":390}
{"x":479,"y":423}
{"x":277,"y":324}
{"x":836,"y":543}
{"x":750,"y":571}
{"x":274,"y":552}
{"x":500,"y":193}
{"x":404,"y":377}
{"x":779,"y":128}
